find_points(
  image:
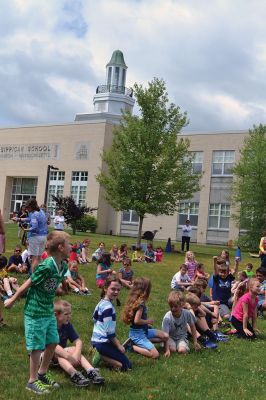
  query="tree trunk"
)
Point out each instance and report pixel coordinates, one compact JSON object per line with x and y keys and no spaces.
{"x":141,"y":218}
{"x":74,"y":228}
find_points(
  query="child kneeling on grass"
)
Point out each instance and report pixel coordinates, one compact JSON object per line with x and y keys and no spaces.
{"x":245,"y":310}
{"x":40,"y":322}
{"x":70,"y":357}
{"x":175,"y":325}
{"x":141,"y":333}
{"x":104,"y":340}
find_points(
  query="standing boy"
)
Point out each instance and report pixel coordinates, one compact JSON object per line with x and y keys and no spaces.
{"x":70,"y":357}
{"x":39,"y":319}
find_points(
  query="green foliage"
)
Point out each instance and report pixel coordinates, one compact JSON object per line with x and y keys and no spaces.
{"x":149,"y":169}
{"x":249,"y":191}
{"x":87,"y":223}
{"x":72,"y":212}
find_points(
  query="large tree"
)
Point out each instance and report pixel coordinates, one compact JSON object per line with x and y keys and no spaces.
{"x":149,"y":169}
{"x":249,"y":188}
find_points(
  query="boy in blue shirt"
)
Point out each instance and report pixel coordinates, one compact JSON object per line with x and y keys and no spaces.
{"x":70,"y":357}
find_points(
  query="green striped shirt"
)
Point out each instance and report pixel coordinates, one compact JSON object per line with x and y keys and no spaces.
{"x":45,"y":280}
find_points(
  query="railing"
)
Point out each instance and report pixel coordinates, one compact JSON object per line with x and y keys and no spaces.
{"x":114,"y":89}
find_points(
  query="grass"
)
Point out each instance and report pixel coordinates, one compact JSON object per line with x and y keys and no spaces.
{"x":235,"y":370}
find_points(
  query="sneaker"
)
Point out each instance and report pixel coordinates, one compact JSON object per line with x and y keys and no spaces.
{"x":128,"y":345}
{"x":79,"y":379}
{"x":221,"y":337}
{"x":208,"y":344}
{"x":47,"y":379}
{"x":96,"y":358}
{"x":95,"y":377}
{"x":231,"y":332}
{"x":37,"y":387}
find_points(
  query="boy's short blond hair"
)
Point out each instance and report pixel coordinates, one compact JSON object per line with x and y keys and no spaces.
{"x":193,"y":299}
{"x":54,"y":239}
{"x":175,"y":298}
{"x":61,"y":305}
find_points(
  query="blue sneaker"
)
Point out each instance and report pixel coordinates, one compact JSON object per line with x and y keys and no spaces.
{"x":208,"y":344}
{"x":220,"y":337}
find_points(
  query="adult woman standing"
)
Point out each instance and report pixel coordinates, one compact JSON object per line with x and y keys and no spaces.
{"x":37,"y":231}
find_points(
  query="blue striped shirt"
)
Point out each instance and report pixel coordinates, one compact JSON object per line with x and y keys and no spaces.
{"x":104,"y":322}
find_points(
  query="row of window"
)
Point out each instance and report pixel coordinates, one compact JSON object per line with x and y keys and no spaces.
{"x":78,"y":187}
{"x":219,"y":215}
{"x":222,"y":162}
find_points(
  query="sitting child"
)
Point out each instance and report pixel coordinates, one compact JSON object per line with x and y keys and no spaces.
{"x":122,"y":252}
{"x":222,"y":283}
{"x":249,"y":271}
{"x":261,"y":276}
{"x":158,"y":254}
{"x":245,"y":310}
{"x":181,"y":280}
{"x":114,"y":254}
{"x":75,"y":281}
{"x":200,"y":273}
{"x":73,"y":255}
{"x":7,"y":283}
{"x":149,"y":255}
{"x":141,"y":333}
{"x":84,"y":247}
{"x":239,"y":288}
{"x":98,"y":252}
{"x":211,"y":305}
{"x":175,"y":324}
{"x":125,"y":273}
{"x":104,"y":270}
{"x":191,"y":264}
{"x":15,"y":262}
{"x":69,"y":358}
{"x":137,"y":255}
{"x":104,"y":340}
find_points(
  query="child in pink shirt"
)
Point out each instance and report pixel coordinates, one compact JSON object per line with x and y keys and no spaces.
{"x":245,"y":310}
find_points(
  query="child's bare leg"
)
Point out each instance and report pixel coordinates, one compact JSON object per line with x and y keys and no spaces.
{"x":66,"y":366}
{"x":7,"y":286}
{"x":34,"y":365}
{"x":14,"y":283}
{"x":111,"y":362}
{"x":153,"y":353}
{"x":47,"y":356}
{"x":161,"y":336}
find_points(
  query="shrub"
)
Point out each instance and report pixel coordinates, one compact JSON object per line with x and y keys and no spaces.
{"x":87,"y":223}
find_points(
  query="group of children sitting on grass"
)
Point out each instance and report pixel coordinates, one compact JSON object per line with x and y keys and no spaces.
{"x":191,"y":314}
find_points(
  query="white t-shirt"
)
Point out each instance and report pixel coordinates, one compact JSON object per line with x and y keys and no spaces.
{"x":179,"y":278}
{"x":59,"y":222}
{"x":187,"y":230}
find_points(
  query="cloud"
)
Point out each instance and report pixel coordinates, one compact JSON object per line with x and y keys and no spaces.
{"x":211,"y":55}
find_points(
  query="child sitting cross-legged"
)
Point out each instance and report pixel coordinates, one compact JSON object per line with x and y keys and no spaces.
{"x":175,"y":324}
{"x":69,"y":358}
{"x":125,"y":274}
{"x":181,"y":280}
{"x":7,"y":283}
{"x":75,"y":281}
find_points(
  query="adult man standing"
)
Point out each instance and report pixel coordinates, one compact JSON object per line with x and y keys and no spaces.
{"x":186,"y":235}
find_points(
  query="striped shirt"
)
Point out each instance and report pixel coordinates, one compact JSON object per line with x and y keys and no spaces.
{"x":104,"y":320}
{"x":45,"y":280}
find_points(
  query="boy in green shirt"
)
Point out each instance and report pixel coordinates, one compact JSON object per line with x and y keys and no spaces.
{"x":40,"y":323}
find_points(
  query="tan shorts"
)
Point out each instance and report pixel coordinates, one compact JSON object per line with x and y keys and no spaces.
{"x":175,"y":345}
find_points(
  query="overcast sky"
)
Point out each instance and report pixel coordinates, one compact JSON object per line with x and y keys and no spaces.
{"x":211,"y":53}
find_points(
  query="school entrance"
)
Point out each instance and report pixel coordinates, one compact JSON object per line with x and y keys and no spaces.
{"x":22,"y":190}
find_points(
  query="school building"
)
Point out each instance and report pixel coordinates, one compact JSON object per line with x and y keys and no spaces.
{"x":63,"y":159}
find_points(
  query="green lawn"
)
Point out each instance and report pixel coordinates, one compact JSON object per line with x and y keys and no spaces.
{"x":235,"y":370}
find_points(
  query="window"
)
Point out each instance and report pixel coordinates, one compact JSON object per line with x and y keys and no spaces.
{"x":56,"y":188}
{"x":219,"y":215}
{"x":116,"y":81}
{"x":130,"y":217}
{"x":79,"y":187}
{"x":188,"y":211}
{"x":109,"y":76}
{"x":197,"y":162}
{"x":223,"y":162}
